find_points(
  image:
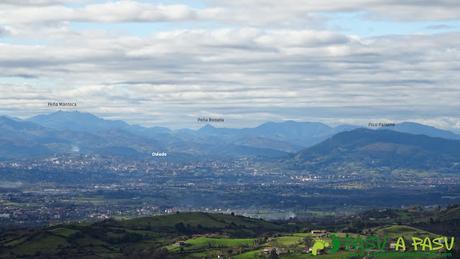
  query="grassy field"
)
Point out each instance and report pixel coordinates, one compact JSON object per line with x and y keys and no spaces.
{"x":113,"y":238}
{"x":182,"y":235}
{"x":405,"y":231}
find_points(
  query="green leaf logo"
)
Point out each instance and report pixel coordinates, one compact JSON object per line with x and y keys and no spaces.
{"x":318,"y":246}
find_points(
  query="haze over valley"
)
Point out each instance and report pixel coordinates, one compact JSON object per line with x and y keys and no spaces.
{"x":82,"y":166}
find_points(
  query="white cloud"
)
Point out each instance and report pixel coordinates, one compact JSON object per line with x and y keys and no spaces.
{"x":4,"y":31}
{"x":247,"y":73}
{"x":251,"y":13}
{"x":409,"y":10}
{"x":37,"y":2}
{"x":120,"y":11}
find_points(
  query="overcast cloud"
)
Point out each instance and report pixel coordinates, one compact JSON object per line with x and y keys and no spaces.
{"x":246,"y":61}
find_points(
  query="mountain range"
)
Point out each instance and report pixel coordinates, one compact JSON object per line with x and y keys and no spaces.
{"x":365,"y":148}
{"x":77,"y":132}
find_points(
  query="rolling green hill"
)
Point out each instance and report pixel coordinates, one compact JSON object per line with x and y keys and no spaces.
{"x":142,"y":236}
{"x":195,"y":235}
{"x":381,"y":148}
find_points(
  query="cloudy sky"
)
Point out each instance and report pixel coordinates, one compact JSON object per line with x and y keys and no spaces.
{"x":247,"y":61}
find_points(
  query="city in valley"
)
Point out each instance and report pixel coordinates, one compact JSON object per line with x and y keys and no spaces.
{"x":238,"y":129}
{"x":79,"y":187}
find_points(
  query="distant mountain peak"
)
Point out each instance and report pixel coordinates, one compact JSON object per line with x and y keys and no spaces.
{"x":207,"y":128}
{"x":382,"y":148}
{"x":421,"y":129}
{"x":17,"y":123}
{"x":292,"y":123}
{"x":76,"y":121}
{"x":72,"y":114}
